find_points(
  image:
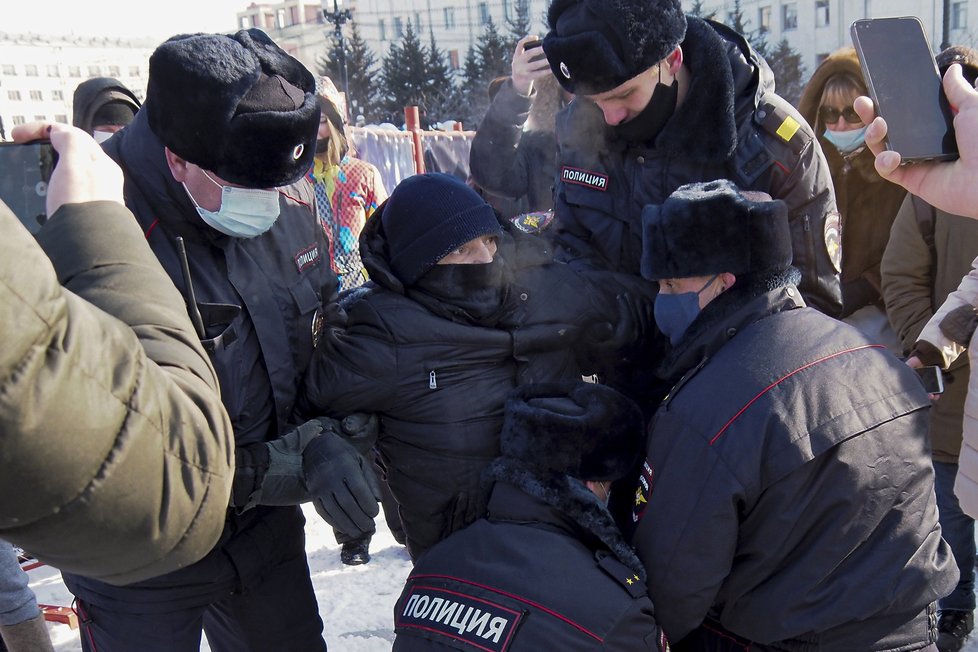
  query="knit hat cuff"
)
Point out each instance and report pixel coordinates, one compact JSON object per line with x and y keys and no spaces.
{"x":415,"y":259}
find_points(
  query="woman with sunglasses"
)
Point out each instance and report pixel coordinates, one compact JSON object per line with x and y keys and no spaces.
{"x":866,"y":202}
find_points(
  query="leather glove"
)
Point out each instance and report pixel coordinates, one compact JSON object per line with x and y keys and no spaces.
{"x":635,"y":322}
{"x":345,"y":489}
{"x":959,"y":324}
{"x":543,"y":338}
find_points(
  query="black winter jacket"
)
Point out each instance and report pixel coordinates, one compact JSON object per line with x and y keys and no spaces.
{"x":260,"y":300}
{"x":510,"y":162}
{"x":799,"y":508}
{"x":731,"y":125}
{"x":545,"y":570}
{"x":439,"y":381}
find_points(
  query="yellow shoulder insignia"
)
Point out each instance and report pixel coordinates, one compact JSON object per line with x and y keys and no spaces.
{"x":788,"y":128}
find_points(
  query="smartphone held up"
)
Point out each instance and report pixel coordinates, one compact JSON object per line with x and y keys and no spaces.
{"x":25,"y":169}
{"x":899,"y":68}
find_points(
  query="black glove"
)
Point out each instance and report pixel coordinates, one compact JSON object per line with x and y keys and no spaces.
{"x":344,"y":488}
{"x":635,"y":322}
{"x":959,"y":324}
{"x":542,"y":338}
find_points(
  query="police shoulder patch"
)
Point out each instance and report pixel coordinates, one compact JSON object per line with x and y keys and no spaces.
{"x":621,"y":574}
{"x":778,"y":121}
{"x":455,"y":618}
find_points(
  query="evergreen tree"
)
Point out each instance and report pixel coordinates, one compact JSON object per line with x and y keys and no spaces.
{"x":404,"y":76}
{"x":473,"y":90}
{"x":789,"y":72}
{"x":442,"y":100}
{"x":518,"y":25}
{"x":735,"y":19}
{"x":495,"y":55}
{"x":327,"y":62}
{"x":363,"y":92}
{"x":697,"y":10}
{"x":490,"y":58}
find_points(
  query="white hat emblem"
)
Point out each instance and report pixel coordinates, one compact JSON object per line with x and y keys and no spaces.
{"x":297,"y":152}
{"x":564,"y":70}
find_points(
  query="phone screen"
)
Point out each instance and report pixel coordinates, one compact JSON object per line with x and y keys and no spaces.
{"x":902,"y":76}
{"x":25,"y":169}
{"x":931,"y":378}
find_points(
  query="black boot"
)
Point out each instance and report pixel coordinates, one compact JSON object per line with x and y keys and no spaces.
{"x":354,"y":553}
{"x":953,"y":627}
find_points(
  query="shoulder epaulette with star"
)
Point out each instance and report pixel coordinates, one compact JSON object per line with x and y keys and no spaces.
{"x":621,"y":574}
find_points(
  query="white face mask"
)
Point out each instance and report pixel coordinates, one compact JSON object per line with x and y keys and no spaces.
{"x":244,"y":212}
{"x":101,"y":136}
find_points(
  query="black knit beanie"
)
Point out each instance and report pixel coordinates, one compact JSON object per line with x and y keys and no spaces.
{"x":426,"y":217}
{"x":114,"y":113}
{"x":594,"y":46}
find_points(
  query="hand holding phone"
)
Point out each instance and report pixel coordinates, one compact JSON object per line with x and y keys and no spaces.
{"x":899,"y":68}
{"x":931,"y":378}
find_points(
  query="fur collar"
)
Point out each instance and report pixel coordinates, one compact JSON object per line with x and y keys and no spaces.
{"x":570,"y":498}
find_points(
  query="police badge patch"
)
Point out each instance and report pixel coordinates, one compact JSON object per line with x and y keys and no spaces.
{"x":457,"y":619}
{"x":833,"y":239}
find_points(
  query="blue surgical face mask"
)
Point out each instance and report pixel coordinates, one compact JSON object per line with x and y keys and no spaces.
{"x":846,"y":141}
{"x":675,"y":312}
{"x":244,"y":212}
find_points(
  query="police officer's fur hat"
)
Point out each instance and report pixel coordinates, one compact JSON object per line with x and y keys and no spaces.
{"x":236,"y":105}
{"x":587,"y":431}
{"x":708,"y":228}
{"x":596,"y":45}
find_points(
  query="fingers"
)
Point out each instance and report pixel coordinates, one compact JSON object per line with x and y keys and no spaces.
{"x":959,"y":92}
{"x":914,"y":362}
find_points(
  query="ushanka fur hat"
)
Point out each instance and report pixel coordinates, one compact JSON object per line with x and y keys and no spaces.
{"x":587,"y":431}
{"x":709,"y":228}
{"x":596,"y":45}
{"x":236,"y":105}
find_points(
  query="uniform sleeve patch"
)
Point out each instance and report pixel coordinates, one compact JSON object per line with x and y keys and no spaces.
{"x":307,"y":258}
{"x":458,"y":620}
{"x":788,"y":128}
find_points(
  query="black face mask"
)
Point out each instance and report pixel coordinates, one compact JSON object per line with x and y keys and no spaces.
{"x":477,"y":289}
{"x":321,"y":145}
{"x":647,"y":124}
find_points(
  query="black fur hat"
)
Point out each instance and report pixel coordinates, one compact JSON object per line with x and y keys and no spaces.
{"x":708,"y":228}
{"x":587,"y":431}
{"x":237,"y":105}
{"x":596,"y":45}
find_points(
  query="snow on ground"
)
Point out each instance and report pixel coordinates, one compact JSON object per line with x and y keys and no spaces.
{"x":355,"y":602}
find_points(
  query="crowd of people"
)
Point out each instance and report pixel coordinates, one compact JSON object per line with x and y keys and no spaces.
{"x":228,"y":316}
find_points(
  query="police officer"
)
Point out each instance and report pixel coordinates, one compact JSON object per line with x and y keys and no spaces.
{"x":547,"y":569}
{"x":664,"y":99}
{"x":213,"y":166}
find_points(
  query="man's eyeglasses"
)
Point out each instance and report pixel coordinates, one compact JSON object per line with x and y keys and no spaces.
{"x":830,"y":114}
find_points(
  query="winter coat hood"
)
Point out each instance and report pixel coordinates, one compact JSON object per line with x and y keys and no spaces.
{"x":92,"y":94}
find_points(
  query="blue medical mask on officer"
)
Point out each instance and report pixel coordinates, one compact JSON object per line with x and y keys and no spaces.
{"x":846,"y":141}
{"x":675,"y":312}
{"x":244,"y":212}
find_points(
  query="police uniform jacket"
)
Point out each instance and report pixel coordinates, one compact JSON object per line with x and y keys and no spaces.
{"x":510,"y":162}
{"x":731,"y":125}
{"x":867,"y":202}
{"x":535,"y":574}
{"x":439,"y":380}
{"x":260,"y":303}
{"x":116,"y":452}
{"x":799,"y":509}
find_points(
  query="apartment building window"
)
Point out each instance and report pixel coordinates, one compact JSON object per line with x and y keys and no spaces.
{"x":74,"y":71}
{"x":36,"y":95}
{"x":269,"y":21}
{"x":764,"y":19}
{"x":398,"y":27}
{"x":294,"y":15}
{"x":8,"y":69}
{"x":449,"y":13}
{"x":114,"y":71}
{"x":52,"y":71}
{"x":506,"y":11}
{"x":821,"y":13}
{"x":280,"y":19}
{"x":57,"y":95}
{"x":61,"y":117}
{"x":453,"y":59}
{"x":134,"y":71}
{"x":417,"y":22}
{"x":18,"y":120}
{"x":383,"y":29}
{"x":789,"y":16}
{"x":959,"y":15}
{"x":40,"y":116}
{"x":94,"y":71}
{"x":484,"y":16}
{"x":13,"y":96}
{"x":244,"y":22}
{"x":30,"y":70}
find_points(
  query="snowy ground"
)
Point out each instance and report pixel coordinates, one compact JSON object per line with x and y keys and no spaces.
{"x":355,"y":602}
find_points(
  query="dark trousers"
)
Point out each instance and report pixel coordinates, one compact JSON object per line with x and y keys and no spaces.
{"x":280,"y":613}
{"x":958,"y":529}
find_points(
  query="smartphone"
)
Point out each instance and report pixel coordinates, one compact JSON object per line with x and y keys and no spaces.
{"x":532,"y":44}
{"x":25,"y":169}
{"x":901,"y":73}
{"x":931,"y":378}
